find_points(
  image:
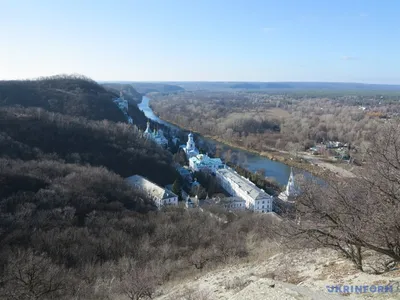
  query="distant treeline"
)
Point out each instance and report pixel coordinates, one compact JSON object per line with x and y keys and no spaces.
{"x":146,"y":87}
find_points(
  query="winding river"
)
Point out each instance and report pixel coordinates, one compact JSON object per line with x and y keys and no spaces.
{"x":253,"y":162}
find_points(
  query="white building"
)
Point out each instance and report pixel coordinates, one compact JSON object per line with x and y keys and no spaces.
{"x":190,"y":147}
{"x":291,"y":191}
{"x":123,"y":106}
{"x":121,"y":103}
{"x":234,"y":203}
{"x":202,"y":162}
{"x":255,"y":198}
{"x":160,"y":195}
{"x":155,"y":135}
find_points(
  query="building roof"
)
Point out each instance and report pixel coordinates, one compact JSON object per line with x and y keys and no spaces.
{"x":150,"y":187}
{"x":246,"y":185}
{"x":183,"y":171}
{"x":205,"y":160}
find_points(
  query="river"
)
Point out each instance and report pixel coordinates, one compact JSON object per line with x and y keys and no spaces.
{"x":253,"y":162}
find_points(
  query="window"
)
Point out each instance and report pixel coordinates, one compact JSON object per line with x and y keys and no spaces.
{"x":263,"y":207}
{"x":263,"y":201}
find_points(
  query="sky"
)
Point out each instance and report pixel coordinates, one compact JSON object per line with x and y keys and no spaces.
{"x":202,"y":40}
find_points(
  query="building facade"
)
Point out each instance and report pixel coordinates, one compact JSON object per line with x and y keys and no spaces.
{"x":123,"y":106}
{"x":204,"y":163}
{"x":233,"y":203}
{"x":155,"y":135}
{"x":159,"y":195}
{"x":255,"y":198}
{"x":190,"y":147}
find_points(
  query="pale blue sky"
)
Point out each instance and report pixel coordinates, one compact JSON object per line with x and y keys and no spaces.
{"x":202,"y":40}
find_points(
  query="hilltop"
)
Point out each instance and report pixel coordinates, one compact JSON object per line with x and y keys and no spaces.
{"x":74,"y":95}
{"x":130,"y":94}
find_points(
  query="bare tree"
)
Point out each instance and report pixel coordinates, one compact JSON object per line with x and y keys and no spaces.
{"x":32,"y":277}
{"x":355,"y":214}
{"x":138,"y":282}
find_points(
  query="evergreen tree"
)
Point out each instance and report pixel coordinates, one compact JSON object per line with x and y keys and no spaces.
{"x":177,"y":188}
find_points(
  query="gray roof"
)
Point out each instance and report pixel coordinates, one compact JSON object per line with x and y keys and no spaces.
{"x":246,"y":185}
{"x":150,"y":187}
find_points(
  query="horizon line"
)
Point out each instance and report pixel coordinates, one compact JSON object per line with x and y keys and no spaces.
{"x":234,"y":81}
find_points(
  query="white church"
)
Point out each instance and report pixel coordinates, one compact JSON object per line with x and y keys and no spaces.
{"x":190,"y":147}
{"x":200,"y":162}
{"x":291,"y":191}
{"x":155,"y":135}
{"x":122,"y":104}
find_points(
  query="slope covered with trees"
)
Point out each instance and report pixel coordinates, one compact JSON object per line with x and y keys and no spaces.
{"x":130,"y":93}
{"x":70,"y":226}
{"x":73,"y":95}
{"x":33,"y":133}
{"x":78,"y":232}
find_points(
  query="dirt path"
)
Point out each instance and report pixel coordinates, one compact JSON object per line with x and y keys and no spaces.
{"x":339,"y":171}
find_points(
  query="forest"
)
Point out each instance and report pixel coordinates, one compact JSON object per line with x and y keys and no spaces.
{"x":292,"y":121}
{"x":78,"y":232}
{"x":70,"y":226}
{"x":33,"y":133}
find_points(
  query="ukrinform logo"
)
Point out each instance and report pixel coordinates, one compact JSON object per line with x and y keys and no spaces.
{"x":393,"y":287}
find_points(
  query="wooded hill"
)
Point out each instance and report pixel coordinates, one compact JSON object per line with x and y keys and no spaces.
{"x":59,"y":122}
{"x":33,"y":133}
{"x":73,"y":95}
{"x":68,"y":221}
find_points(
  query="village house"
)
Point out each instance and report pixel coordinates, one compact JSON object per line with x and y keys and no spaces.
{"x":159,"y":195}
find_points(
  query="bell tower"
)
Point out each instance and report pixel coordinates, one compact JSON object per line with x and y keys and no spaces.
{"x":291,"y":188}
{"x":190,"y":145}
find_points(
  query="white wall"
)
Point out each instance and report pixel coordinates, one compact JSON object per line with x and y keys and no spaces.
{"x":234,"y":190}
{"x":171,"y":201}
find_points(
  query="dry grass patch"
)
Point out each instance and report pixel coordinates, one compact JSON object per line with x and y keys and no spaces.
{"x":237,"y":283}
{"x":190,"y":293}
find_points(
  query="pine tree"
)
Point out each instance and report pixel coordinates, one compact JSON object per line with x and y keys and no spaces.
{"x":177,"y":189}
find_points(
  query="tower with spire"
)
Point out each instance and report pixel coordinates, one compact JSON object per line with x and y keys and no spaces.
{"x":291,"y":190}
{"x":155,"y":135}
{"x":148,"y":130}
{"x":190,"y":147}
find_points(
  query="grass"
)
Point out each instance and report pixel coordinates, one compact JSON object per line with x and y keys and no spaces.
{"x":237,"y":283}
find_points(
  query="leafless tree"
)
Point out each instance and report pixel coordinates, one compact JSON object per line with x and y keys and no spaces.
{"x":32,"y":277}
{"x":138,"y":282}
{"x":356,"y":214}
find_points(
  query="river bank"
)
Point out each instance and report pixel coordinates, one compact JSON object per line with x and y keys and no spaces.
{"x":315,"y":166}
